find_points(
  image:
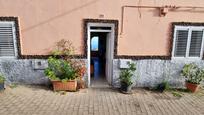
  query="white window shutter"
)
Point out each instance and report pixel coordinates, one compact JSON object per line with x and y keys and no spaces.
{"x":181,"y":43}
{"x":6,"y":40}
{"x":196,"y":43}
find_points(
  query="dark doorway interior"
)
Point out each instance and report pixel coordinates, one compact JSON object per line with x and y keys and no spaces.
{"x":98,"y":55}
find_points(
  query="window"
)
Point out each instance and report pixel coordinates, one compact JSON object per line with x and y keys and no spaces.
{"x":7,"y":39}
{"x":188,"y":42}
{"x":94,"y":43}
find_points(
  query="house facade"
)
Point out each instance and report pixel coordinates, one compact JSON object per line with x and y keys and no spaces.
{"x":159,"y":36}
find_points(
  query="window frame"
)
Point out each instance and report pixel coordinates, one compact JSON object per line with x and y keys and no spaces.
{"x":190,"y":29}
{"x":14,"y":40}
{"x":97,"y":44}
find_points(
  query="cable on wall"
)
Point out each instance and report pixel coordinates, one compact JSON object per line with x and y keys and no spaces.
{"x":163,"y":10}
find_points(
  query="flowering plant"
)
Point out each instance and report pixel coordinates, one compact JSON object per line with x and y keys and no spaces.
{"x":192,"y":73}
{"x":62,"y":65}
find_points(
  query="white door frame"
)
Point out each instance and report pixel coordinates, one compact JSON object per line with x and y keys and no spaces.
{"x":89,"y":30}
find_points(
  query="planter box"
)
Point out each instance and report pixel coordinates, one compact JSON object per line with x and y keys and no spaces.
{"x":1,"y":86}
{"x":64,"y":86}
{"x":192,"y":87}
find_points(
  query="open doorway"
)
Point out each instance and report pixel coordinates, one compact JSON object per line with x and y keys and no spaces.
{"x":100,"y":53}
{"x":98,"y":58}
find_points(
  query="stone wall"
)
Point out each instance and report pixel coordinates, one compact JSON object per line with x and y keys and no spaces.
{"x":25,"y":71}
{"x":148,"y":74}
{"x":22,"y":71}
{"x":151,"y":72}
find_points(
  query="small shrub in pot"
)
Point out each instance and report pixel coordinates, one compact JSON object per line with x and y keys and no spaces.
{"x":62,"y":69}
{"x":2,"y":79}
{"x":161,"y":87}
{"x":126,"y":78}
{"x":61,"y":73}
{"x":193,"y":76}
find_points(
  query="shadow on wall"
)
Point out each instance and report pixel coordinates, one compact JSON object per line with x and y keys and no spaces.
{"x":59,"y":16}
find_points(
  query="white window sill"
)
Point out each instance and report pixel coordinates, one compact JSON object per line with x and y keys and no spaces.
{"x":184,"y":59}
{"x":8,"y":58}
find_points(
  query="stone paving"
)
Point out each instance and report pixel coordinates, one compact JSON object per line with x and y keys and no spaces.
{"x":37,"y":100}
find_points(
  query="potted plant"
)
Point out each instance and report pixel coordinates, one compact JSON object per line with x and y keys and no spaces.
{"x":193,"y":75}
{"x":61,"y":74}
{"x":81,"y":70}
{"x":126,"y":78}
{"x":161,"y":87}
{"x":62,"y":68}
{"x":2,"y":79}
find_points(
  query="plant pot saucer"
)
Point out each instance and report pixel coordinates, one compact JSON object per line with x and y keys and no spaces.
{"x":126,"y":92}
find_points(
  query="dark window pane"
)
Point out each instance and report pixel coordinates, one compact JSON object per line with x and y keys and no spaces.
{"x":181,"y":43}
{"x":196,"y":42}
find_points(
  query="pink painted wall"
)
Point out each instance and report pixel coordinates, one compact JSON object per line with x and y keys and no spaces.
{"x":44,"y":22}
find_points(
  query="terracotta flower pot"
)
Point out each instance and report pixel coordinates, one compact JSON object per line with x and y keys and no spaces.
{"x":70,"y":85}
{"x":192,"y":87}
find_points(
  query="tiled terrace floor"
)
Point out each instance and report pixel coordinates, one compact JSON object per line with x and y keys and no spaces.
{"x":30,"y":100}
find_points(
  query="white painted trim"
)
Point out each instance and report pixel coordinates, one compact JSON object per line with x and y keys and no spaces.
{"x":190,"y":29}
{"x":174,"y":42}
{"x":6,"y":22}
{"x":188,"y":42}
{"x":100,"y":24}
{"x":89,"y":55}
{"x":100,"y":30}
{"x":89,"y":30}
{"x":15,"y":40}
{"x":201,"y":53}
{"x":112,"y":50}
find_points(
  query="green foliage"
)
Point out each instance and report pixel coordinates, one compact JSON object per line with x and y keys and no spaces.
{"x":2,"y":78}
{"x":166,"y":85}
{"x":126,"y":74}
{"x":176,"y":94}
{"x":162,"y":86}
{"x":13,"y":85}
{"x":60,"y":64}
{"x":59,"y":69}
{"x":193,"y":73}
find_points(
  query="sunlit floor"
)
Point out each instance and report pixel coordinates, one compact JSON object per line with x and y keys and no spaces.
{"x":38,"y":100}
{"x":99,"y":83}
{"x":98,"y":78}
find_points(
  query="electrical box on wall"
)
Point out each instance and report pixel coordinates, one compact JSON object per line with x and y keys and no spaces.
{"x":123,"y":63}
{"x":39,"y":64}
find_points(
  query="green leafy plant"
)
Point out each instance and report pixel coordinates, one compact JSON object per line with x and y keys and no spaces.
{"x":162,"y":86}
{"x":61,"y":66}
{"x":192,"y":73}
{"x":59,"y":69}
{"x":2,"y":78}
{"x":126,"y":74}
